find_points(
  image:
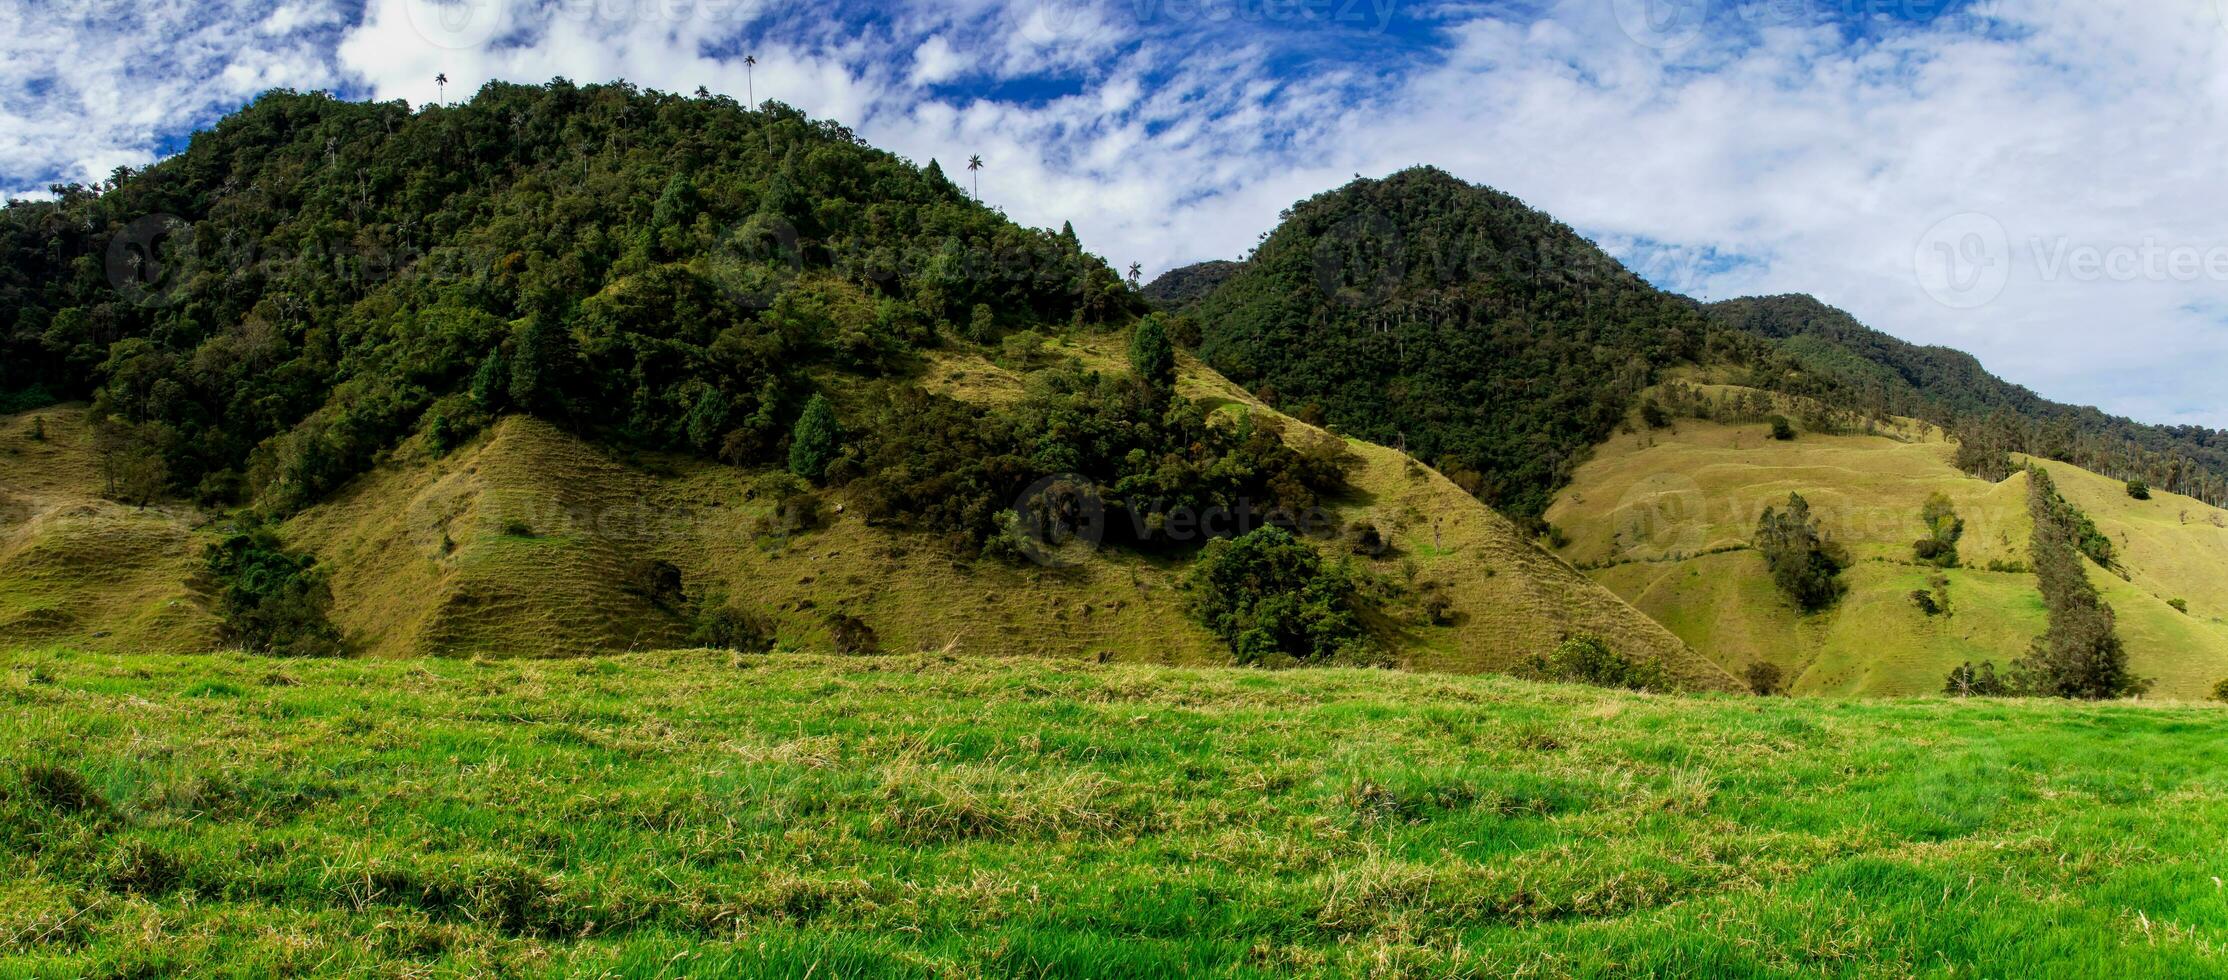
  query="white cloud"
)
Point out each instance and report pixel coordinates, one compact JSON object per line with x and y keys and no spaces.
{"x":87,"y":86}
{"x":1768,"y":152}
{"x":935,"y":62}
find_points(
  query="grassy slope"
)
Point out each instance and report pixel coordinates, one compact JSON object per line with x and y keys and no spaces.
{"x":74,"y":567}
{"x":426,"y":557}
{"x":1685,"y":492}
{"x":924,"y":815}
{"x":1513,"y":599}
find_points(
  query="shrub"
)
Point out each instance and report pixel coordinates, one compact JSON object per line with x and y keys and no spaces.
{"x":1943,"y":530}
{"x":725,"y":625}
{"x":1270,"y":596}
{"x":2180,"y":605}
{"x":1925,"y":601}
{"x":2220,"y":691}
{"x":656,"y":580}
{"x":1363,"y":538}
{"x":1589,"y":660}
{"x":1021,"y":349}
{"x":1804,"y":564}
{"x":38,"y":429}
{"x":1152,"y":357}
{"x":1438,"y":606}
{"x":851,"y":635}
{"x":1782,"y":429}
{"x":271,"y":601}
{"x":2139,"y":489}
{"x":1766,"y":679}
{"x":1969,"y":681}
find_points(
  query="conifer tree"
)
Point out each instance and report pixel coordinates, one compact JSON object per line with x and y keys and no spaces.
{"x":813,"y":443}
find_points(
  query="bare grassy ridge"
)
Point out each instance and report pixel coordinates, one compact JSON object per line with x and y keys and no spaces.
{"x":529,"y":542}
{"x":1660,"y":516}
{"x":80,"y":569}
{"x":796,"y":816}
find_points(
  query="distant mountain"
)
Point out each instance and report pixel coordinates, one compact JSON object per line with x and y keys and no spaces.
{"x":1498,"y":343}
{"x":1858,"y":365}
{"x":1450,"y":319}
{"x":1181,"y":287}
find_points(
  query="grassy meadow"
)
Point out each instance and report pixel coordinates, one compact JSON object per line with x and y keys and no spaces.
{"x":1663,"y":519}
{"x":665,"y":814}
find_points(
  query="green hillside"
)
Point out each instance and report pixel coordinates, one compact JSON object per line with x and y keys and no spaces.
{"x":531,"y":542}
{"x":1663,"y":517}
{"x":712,"y":815}
{"x":1857,"y":366}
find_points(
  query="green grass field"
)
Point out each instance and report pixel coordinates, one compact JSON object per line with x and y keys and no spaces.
{"x":699,"y":814}
{"x":1653,"y":514}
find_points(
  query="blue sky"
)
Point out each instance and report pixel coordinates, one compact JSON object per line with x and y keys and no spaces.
{"x":2036,"y":182}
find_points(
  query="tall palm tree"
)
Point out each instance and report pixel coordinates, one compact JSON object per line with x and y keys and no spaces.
{"x":1135,"y":270}
{"x":974,"y":166}
{"x":441,"y":85}
{"x":703,"y":93}
{"x":750,"y":74}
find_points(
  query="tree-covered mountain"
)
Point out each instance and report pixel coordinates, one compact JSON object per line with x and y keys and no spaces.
{"x":311,"y":280}
{"x":1863,"y":367}
{"x":1495,"y":341}
{"x":1449,"y":319}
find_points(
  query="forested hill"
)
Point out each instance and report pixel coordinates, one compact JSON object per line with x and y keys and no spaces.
{"x":1421,"y":311}
{"x":312,"y":279}
{"x":1496,"y":342}
{"x":1886,"y":375}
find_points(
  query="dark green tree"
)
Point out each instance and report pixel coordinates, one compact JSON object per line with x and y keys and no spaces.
{"x":1152,"y":358}
{"x":2080,"y":656}
{"x":814,"y":442}
{"x":1804,"y":564}
{"x":1271,"y":596}
{"x":1943,"y":531}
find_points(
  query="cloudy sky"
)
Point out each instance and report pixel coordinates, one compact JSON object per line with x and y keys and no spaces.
{"x":2041,"y":182}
